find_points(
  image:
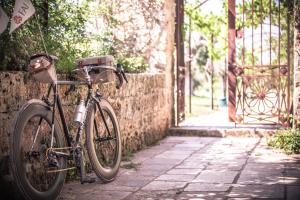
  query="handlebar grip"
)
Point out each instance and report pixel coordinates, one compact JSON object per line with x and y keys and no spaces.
{"x":124,"y":75}
{"x":121,"y":75}
{"x":120,"y":83}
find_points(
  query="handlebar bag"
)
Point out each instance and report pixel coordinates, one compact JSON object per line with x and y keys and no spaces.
{"x":99,"y":75}
{"x":95,"y":61}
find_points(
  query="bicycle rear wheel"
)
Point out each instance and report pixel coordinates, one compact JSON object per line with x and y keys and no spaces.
{"x":30,"y":140}
{"x":103,"y":146}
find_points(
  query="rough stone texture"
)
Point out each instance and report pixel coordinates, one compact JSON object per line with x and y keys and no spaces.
{"x":145,"y":27}
{"x":142,"y":107}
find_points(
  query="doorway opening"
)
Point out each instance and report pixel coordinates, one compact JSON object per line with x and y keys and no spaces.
{"x":234,"y":62}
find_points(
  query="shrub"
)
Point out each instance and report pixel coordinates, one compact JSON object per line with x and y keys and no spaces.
{"x":65,"y":27}
{"x":288,"y":140}
{"x":133,"y":64}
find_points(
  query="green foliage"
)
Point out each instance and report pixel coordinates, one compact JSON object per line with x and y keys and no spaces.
{"x":133,"y":64}
{"x":288,"y":140}
{"x":131,"y":165}
{"x":210,"y":26}
{"x":60,"y":23}
{"x":66,"y":28}
{"x":127,"y":155}
{"x":198,"y":73}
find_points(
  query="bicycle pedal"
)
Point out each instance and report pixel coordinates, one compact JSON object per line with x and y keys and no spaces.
{"x":88,"y":179}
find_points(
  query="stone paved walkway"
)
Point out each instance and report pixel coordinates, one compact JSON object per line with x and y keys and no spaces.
{"x":200,"y":168}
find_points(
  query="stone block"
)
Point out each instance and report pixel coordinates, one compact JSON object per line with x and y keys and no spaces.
{"x":258,"y":191}
{"x":207,"y":187}
{"x":216,"y":176}
{"x":164,"y":185}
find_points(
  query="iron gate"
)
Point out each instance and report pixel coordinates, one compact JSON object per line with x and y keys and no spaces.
{"x":259,"y":43}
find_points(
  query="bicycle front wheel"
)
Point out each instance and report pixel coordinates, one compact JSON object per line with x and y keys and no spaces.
{"x":103,"y":140}
{"x":30,"y":140}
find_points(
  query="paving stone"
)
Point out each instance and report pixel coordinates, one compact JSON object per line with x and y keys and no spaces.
{"x":207,"y":187}
{"x":184,"y":171}
{"x":105,"y":195}
{"x":293,"y":192}
{"x":258,"y":177}
{"x":214,"y":176}
{"x":177,"y":170}
{"x":199,"y":158}
{"x":162,"y":161}
{"x":190,"y":146}
{"x":292,"y":174}
{"x":175,"y":177}
{"x":257,"y":191}
{"x":170,"y":155}
{"x":224,"y":161}
{"x":150,"y":195}
{"x":201,"y":195}
{"x":227,"y":167}
{"x":114,"y":187}
{"x":292,"y":180}
{"x":155,"y":167}
{"x":146,"y":154}
{"x":192,"y":165}
{"x":265,"y":167}
{"x":133,"y":180}
{"x":292,"y":166}
{"x":164,"y":185}
{"x":95,"y":195}
{"x":175,"y":151}
{"x":261,"y":157}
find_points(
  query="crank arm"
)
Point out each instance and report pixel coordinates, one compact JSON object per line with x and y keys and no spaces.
{"x":59,"y":170}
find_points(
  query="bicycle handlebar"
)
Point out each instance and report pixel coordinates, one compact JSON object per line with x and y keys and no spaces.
{"x":119,"y":72}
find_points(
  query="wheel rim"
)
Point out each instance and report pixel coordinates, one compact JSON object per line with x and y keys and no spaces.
{"x":33,"y":162}
{"x":107,"y":150}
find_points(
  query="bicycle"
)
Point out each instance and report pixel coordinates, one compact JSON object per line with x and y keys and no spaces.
{"x":41,"y":143}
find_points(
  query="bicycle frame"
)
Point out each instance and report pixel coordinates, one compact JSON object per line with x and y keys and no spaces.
{"x":57,"y":102}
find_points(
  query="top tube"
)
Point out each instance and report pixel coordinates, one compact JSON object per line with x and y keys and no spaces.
{"x":71,"y":83}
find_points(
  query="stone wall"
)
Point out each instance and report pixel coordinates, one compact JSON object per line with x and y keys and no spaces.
{"x":142,"y":107}
{"x":147,"y":28}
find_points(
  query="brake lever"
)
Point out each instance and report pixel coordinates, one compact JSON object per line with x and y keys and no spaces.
{"x":72,"y":88}
{"x":124,"y":75}
{"x":121,"y":71}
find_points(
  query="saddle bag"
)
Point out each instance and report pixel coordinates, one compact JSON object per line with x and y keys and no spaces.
{"x":42,"y":69}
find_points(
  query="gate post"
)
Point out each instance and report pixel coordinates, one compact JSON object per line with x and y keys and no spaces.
{"x":180,"y":65}
{"x":296,"y":98}
{"x":231,"y":61}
